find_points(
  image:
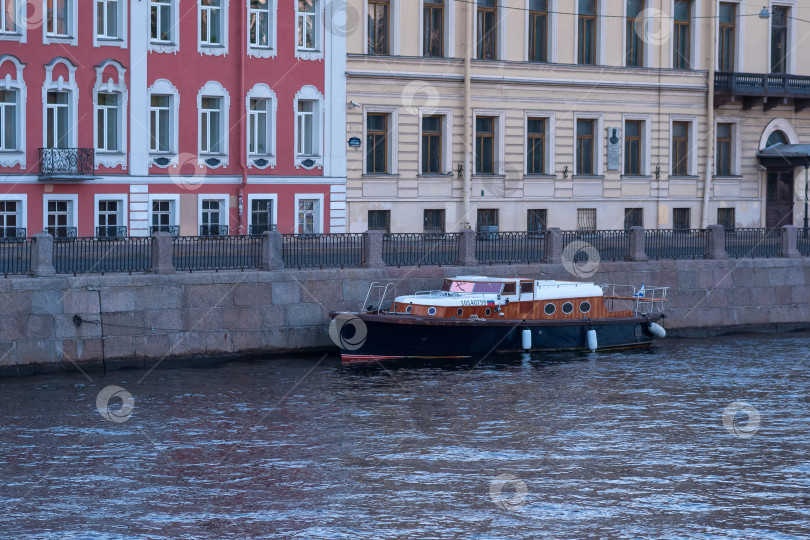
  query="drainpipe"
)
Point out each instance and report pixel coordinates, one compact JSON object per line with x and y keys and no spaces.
{"x":707,"y":184}
{"x":240,"y":198}
{"x":468,"y":45}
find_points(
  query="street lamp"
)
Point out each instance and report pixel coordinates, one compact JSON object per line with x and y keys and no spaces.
{"x":764,"y":13}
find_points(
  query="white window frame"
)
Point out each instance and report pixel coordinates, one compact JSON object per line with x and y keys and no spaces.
{"x":118,"y":158}
{"x":601,"y":31}
{"x":317,"y":52}
{"x":695,"y":25}
{"x":271,"y":50}
{"x":499,"y":142}
{"x":173,"y":45}
{"x":121,"y":199}
{"x":500,"y":24}
{"x":174,"y":208}
{"x":392,"y":137}
{"x":163,"y":87}
{"x":72,"y":36}
{"x":263,"y":197}
{"x":739,"y":36}
{"x":22,"y":208}
{"x":447,"y":140}
{"x":224,"y":210}
{"x":646,"y":146}
{"x":648,"y":47}
{"x":9,"y":158}
{"x":778,"y":124}
{"x":60,"y":85}
{"x":551,"y":131}
{"x":73,"y":210}
{"x":262,"y":91}
{"x":214,"y":89}
{"x":319,"y":197}
{"x":692,"y":164}
{"x":310,"y":93}
{"x":20,"y":32}
{"x":121,"y":40}
{"x":792,"y":43}
{"x":598,"y":144}
{"x":449,"y":28}
{"x":220,"y":49}
{"x":736,"y":146}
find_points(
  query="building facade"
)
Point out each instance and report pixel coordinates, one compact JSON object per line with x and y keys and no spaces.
{"x":195,"y":117}
{"x":580,"y":114}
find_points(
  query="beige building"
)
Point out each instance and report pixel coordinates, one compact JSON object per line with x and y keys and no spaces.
{"x":525,"y":114}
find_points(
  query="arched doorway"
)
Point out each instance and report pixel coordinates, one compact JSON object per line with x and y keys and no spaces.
{"x":777,"y":142}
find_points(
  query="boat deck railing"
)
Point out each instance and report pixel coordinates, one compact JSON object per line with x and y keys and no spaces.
{"x":381,"y":293}
{"x":644,"y":301}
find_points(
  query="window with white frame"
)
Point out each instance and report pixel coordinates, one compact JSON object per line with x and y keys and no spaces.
{"x":9,"y":10}
{"x":12,"y":115}
{"x":110,"y":222}
{"x":9,"y":120}
{"x":60,"y":217}
{"x":309,"y":217}
{"x":308,"y":28}
{"x":60,"y":21}
{"x":262,"y":24}
{"x":213,"y":27}
{"x":213,"y":104}
{"x":261,"y":109}
{"x":308,"y":131}
{"x":12,"y":223}
{"x":110,"y":102}
{"x":163,"y":25}
{"x":110,"y":20}
{"x":211,"y":212}
{"x":163,"y":122}
{"x":57,"y":120}
{"x":107,"y":122}
{"x":163,"y":216}
{"x":262,"y":213}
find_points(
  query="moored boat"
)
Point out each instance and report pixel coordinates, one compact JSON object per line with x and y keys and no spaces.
{"x":473,"y":316}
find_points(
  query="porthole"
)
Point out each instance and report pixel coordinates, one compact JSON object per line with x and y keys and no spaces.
{"x":460,"y":312}
{"x":487,"y":312}
{"x":431,"y":311}
{"x":567,"y":308}
{"x":550,"y":309}
{"x":585,"y":307}
{"x":408,"y":309}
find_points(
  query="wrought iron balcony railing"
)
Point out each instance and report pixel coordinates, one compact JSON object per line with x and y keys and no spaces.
{"x":12,"y":232}
{"x":78,"y":161}
{"x":213,"y":230}
{"x":62,"y":232}
{"x":256,"y":230}
{"x":111,"y":231}
{"x":771,"y":89}
{"x":174,"y":230}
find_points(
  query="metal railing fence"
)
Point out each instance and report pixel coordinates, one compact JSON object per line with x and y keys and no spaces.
{"x":420,"y":249}
{"x":341,"y":250}
{"x":99,"y":255}
{"x":191,"y":253}
{"x":510,"y":247}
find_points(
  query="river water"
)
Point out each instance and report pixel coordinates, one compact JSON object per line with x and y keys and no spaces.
{"x":693,"y":439}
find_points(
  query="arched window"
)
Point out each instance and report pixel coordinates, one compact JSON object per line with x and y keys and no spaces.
{"x":308,"y":128}
{"x":164,"y":103}
{"x":777,"y":137}
{"x":12,"y":113}
{"x":261,"y":126}
{"x":213,"y":104}
{"x":60,"y":102}
{"x":110,"y":107}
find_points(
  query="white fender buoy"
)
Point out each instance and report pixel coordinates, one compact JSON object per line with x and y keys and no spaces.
{"x":526,"y":339}
{"x":592,"y":340}
{"x":657,"y":330}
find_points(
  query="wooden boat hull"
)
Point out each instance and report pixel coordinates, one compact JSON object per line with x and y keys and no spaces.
{"x":378,"y":337}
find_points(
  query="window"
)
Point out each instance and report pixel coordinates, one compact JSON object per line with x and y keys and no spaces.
{"x":309,"y":216}
{"x":261,"y":216}
{"x":210,"y":125}
{"x":260,"y":17}
{"x":108,"y":23}
{"x":538,"y":30}
{"x":159,"y":121}
{"x":727,"y":43}
{"x":777,"y":137}
{"x":10,"y":220}
{"x":378,"y":20}
{"x":306,"y":128}
{"x":633,"y":131}
{"x":107,"y":131}
{"x":485,"y":145}
{"x":376,"y":143}
{"x":586,"y":30}
{"x":586,"y":219}
{"x":585,"y":147}
{"x":211,"y":23}
{"x":486,"y":220}
{"x":432,"y":145}
{"x":162,"y":16}
{"x":308,"y":132}
{"x":213,"y":104}
{"x":723,"y":151}
{"x":8,"y":120}
{"x":163,"y":217}
{"x":779,"y":39}
{"x":109,"y":220}
{"x":58,"y":18}
{"x":682,"y":219}
{"x":634,"y":50}
{"x":536,"y":220}
{"x":682,"y":35}
{"x":59,"y":218}
{"x":308,"y":25}
{"x":535,"y":145}
{"x":257,"y":127}
{"x":725,"y":217}
{"x":433,"y":31}
{"x":8,"y":17}
{"x":633,"y":217}
{"x":680,"y":148}
{"x":434,"y":221}
{"x":209,"y":226}
{"x":487,"y":28}
{"x":379,"y":220}
{"x":57,"y":113}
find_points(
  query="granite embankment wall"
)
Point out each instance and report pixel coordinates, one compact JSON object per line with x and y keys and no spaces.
{"x":114,"y":321}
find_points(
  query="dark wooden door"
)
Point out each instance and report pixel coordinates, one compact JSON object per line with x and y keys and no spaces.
{"x":779,"y":195}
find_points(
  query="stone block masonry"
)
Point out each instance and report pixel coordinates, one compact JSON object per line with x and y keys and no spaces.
{"x":111,"y":321}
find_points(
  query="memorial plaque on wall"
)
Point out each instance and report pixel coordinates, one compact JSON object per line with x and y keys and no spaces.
{"x":614,"y":148}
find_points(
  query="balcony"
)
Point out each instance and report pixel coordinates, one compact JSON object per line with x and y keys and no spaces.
{"x":7,"y":233}
{"x":213,"y":230}
{"x":174,"y":230}
{"x":62,"y":232}
{"x":66,"y":161}
{"x":258,"y":230}
{"x":111,"y":231}
{"x":770,"y":89}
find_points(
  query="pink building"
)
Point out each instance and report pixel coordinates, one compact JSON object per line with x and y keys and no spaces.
{"x":185,"y":116}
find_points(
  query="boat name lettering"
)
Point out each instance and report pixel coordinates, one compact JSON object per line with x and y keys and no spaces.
{"x":473,"y":302}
